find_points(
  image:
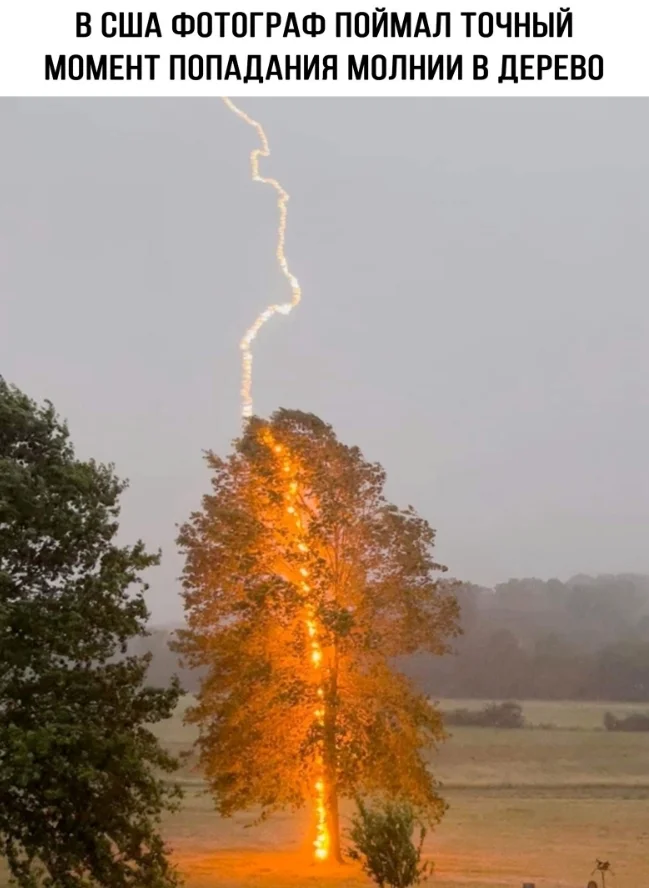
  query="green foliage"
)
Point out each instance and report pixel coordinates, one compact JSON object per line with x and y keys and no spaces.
{"x":374,"y":597}
{"x":494,"y":715}
{"x":635,"y":721}
{"x":382,"y":840}
{"x":80,"y":795}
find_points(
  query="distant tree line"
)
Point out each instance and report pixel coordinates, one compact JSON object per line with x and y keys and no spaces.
{"x":634,"y":722}
{"x":511,"y":715}
{"x":493,"y":715}
{"x":586,"y":639}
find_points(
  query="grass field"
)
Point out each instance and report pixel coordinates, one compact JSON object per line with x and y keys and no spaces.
{"x":525,"y":806}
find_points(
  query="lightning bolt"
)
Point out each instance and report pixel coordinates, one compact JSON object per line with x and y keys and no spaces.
{"x":322,"y":841}
{"x":296,"y":292}
{"x":289,"y":470}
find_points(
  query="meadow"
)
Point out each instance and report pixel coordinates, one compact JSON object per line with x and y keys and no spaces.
{"x":534,"y":805}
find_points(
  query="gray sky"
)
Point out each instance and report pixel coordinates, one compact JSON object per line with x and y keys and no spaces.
{"x":475,"y":311}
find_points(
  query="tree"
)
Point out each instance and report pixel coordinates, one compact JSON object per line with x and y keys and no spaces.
{"x":622,"y":672}
{"x":383,"y":843}
{"x":301,"y":585}
{"x":80,"y":799}
{"x":528,"y":639}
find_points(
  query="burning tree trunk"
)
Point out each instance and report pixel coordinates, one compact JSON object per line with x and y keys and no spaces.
{"x":330,"y":759}
{"x":333,"y":823}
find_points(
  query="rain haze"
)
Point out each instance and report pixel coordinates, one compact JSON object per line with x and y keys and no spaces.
{"x":474,"y":310}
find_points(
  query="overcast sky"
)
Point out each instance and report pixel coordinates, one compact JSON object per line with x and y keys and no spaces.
{"x":475,"y":311}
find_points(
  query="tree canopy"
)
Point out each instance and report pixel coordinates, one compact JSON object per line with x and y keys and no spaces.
{"x":80,"y":798}
{"x":299,"y":676}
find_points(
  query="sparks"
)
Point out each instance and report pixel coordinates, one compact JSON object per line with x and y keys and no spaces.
{"x":296,"y":292}
{"x":321,"y":843}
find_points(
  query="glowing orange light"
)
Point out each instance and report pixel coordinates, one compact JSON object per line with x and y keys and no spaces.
{"x":322,"y":841}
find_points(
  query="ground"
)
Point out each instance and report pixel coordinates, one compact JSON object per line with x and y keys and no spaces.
{"x":536,"y":805}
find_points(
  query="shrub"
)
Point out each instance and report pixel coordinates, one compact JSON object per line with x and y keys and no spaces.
{"x":464,"y":718}
{"x":636,"y":721}
{"x":494,"y":715}
{"x":382,"y":840}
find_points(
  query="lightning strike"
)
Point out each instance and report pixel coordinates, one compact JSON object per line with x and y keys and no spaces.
{"x":296,"y":292}
{"x":322,"y":840}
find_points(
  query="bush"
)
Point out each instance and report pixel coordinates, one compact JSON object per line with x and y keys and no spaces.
{"x":494,"y":715}
{"x":382,"y":840}
{"x":636,"y":721}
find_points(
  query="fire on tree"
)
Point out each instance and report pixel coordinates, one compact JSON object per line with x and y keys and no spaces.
{"x":302,"y":584}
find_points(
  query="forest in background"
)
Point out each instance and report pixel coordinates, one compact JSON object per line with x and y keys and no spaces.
{"x":585,"y":639}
